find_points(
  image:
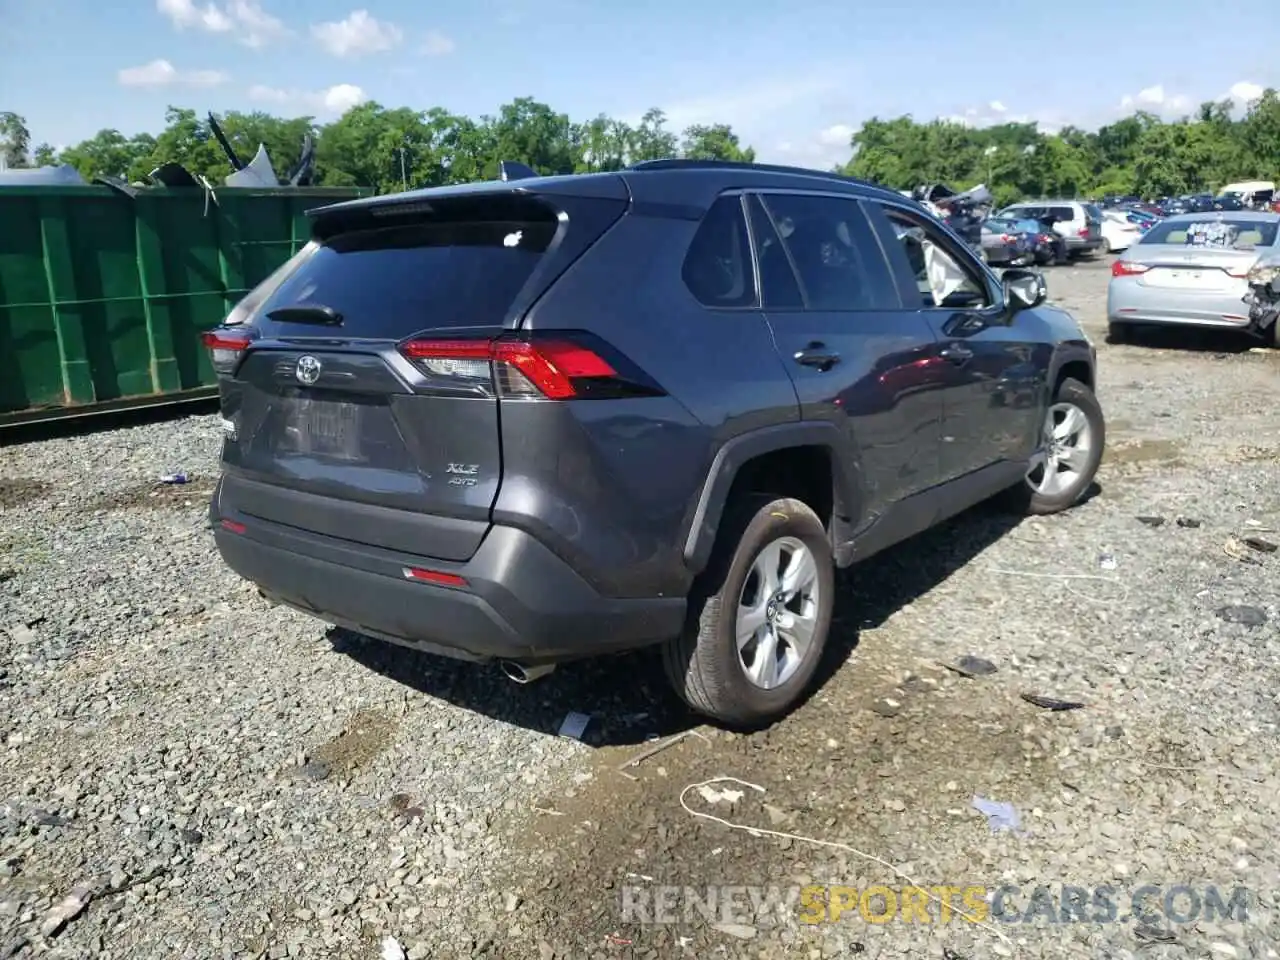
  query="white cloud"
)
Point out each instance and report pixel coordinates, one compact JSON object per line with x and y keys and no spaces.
{"x":162,"y":73}
{"x":749,"y":106}
{"x":332,"y":101}
{"x":1245,"y":91}
{"x":1156,"y":99}
{"x":356,"y":36}
{"x":253,"y":26}
{"x":184,"y":13}
{"x":837,"y":135}
{"x":257,"y":27}
{"x":436,"y":44}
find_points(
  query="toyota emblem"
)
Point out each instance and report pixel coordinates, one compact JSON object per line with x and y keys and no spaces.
{"x":308,"y":370}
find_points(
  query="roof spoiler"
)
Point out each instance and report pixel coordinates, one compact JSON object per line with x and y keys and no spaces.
{"x":511,"y":170}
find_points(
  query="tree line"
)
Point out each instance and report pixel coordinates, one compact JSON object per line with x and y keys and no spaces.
{"x":391,"y":148}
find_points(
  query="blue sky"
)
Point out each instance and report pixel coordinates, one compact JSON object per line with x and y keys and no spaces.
{"x":794,"y":79}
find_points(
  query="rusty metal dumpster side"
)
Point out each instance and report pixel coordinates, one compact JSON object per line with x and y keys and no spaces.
{"x":103,"y":295}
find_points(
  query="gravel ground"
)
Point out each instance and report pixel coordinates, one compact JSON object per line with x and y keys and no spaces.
{"x":189,"y":772}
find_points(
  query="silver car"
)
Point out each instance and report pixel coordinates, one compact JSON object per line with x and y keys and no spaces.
{"x":1190,"y":270}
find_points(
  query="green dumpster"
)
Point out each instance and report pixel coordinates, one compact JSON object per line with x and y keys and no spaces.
{"x":103,"y":294}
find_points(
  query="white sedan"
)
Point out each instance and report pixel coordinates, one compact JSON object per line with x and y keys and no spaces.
{"x":1118,"y":233}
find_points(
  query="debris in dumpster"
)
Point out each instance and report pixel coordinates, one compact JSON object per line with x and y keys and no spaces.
{"x":1245,"y":615}
{"x":391,"y":949}
{"x":617,"y":941}
{"x":1000,"y":815}
{"x":970,"y":666}
{"x":949,"y":954}
{"x":1152,"y":521}
{"x":1106,"y":561}
{"x":1187,"y":522}
{"x":574,"y":725}
{"x":1050,"y":703}
{"x":174,"y":478}
{"x":1257,"y":543}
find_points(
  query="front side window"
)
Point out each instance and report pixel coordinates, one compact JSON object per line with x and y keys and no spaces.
{"x":717,"y":269}
{"x":942,"y":276}
{"x":833,"y":252}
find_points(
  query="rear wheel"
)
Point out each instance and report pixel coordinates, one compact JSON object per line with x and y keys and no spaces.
{"x":1066,"y":459}
{"x":1119,"y":333}
{"x":759,"y":617}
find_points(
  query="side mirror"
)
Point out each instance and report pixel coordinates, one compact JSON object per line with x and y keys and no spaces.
{"x":1024,"y":289}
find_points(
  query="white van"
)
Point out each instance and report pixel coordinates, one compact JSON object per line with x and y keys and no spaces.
{"x":1253,"y":193}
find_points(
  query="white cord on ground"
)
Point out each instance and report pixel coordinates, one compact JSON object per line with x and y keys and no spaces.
{"x":832,"y":844}
{"x":1066,"y":579}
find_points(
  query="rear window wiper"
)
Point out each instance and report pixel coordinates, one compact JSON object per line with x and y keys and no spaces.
{"x":316,"y":313}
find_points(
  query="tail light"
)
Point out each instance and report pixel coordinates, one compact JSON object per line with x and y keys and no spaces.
{"x":1238,"y":272}
{"x":1127,"y":268}
{"x":225,"y":348}
{"x":1084,"y":232}
{"x":1008,"y":238}
{"x":551,"y":367}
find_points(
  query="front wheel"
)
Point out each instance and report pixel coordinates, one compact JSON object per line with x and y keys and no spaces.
{"x":759,"y":618}
{"x":1066,"y":459}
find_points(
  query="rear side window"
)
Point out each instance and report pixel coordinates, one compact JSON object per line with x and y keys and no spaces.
{"x":1063,"y":214}
{"x":392,"y":281}
{"x":835,"y":255}
{"x":717,"y":269}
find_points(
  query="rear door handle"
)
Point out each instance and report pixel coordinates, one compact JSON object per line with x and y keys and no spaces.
{"x":957,"y":353}
{"x":817,"y":355}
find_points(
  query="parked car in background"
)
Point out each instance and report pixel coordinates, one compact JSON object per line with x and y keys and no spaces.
{"x":1229,"y":202}
{"x":1079,"y":224}
{"x":1049,"y":247}
{"x":1189,"y":270}
{"x":1004,"y":244}
{"x":1139,"y":216}
{"x":1118,"y":231}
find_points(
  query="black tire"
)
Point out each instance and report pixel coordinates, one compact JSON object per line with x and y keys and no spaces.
{"x":1119,"y":333}
{"x":1024,"y":499}
{"x":703,"y":663}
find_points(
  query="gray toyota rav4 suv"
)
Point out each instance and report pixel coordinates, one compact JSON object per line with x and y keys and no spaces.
{"x":542,"y":418}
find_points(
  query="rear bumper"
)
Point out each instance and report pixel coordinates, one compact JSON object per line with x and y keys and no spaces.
{"x":1130,"y":302}
{"x":520,"y":602}
{"x":1081,"y":245}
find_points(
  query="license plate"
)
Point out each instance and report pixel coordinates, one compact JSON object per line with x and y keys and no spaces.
{"x":328,"y":428}
{"x":1182,"y":278}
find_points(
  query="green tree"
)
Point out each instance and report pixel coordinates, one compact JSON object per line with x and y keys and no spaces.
{"x":15,"y":140}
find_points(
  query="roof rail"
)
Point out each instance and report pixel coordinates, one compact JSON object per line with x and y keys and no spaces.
{"x":678,"y":164}
{"x":511,"y":170}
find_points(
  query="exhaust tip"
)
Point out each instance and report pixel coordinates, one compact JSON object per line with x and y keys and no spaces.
{"x":519,"y":673}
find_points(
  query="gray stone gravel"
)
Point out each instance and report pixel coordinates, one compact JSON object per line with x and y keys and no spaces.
{"x":188,"y":772}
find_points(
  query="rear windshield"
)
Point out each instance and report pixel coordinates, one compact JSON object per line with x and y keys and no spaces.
{"x":1226,"y":232}
{"x":392,"y":281}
